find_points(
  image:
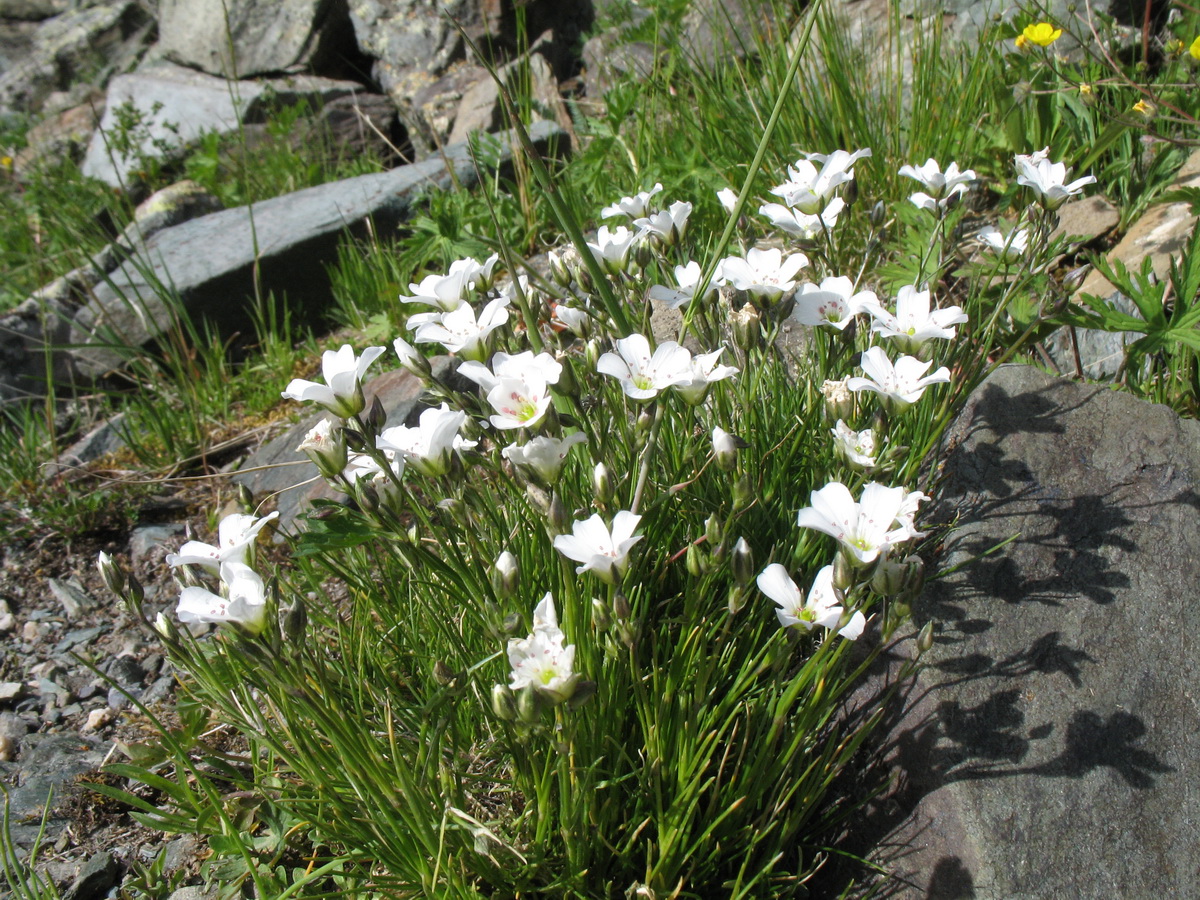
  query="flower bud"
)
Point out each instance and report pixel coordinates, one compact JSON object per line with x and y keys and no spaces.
{"x":412,"y":359}
{"x":725,"y":449}
{"x":742,"y":562}
{"x":529,"y":706}
{"x":878,"y":215}
{"x":504,"y":704}
{"x":456,"y":509}
{"x":601,"y":618}
{"x":559,"y":272}
{"x":558,"y":516}
{"x":134,"y":593}
{"x":925,"y":638}
{"x":1087,"y":94}
{"x":512,"y":623}
{"x":621,"y":607}
{"x":1144,"y":110}
{"x":695,"y":560}
{"x":602,"y":484}
{"x":888,"y":578}
{"x":584,"y":691}
{"x":442,"y":673}
{"x":641,"y":427}
{"x":246,"y":499}
{"x":112,"y":573}
{"x":746,"y":326}
{"x":295,"y":621}
{"x":844,"y":573}
{"x":839,"y":400}
{"x":376,"y":415}
{"x":325,"y":445}
{"x":165,"y":627}
{"x":736,"y":599}
{"x":505,"y":575}
{"x":591,"y":353}
{"x":743,"y":492}
{"x":713,"y":532}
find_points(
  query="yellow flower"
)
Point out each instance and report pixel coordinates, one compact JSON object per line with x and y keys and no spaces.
{"x":1043,"y":34}
{"x":1144,"y":109}
{"x":1087,"y":94}
{"x":6,"y":162}
{"x":1194,"y":50}
{"x":1021,"y":41}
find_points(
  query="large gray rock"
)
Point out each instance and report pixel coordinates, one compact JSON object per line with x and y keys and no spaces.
{"x":100,"y":39}
{"x":1050,"y":747}
{"x":242,"y":38}
{"x":209,"y":264}
{"x":173,"y":106}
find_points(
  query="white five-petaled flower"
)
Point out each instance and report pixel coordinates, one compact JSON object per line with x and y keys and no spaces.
{"x":635,"y":207}
{"x":914,"y":324}
{"x":833,"y":302}
{"x":644,"y":374}
{"x":822,"y":606}
{"x":805,"y":226}
{"x":1047,"y":179}
{"x":541,"y":659}
{"x":427,"y":447}
{"x":341,"y":393}
{"x":865,"y":529}
{"x":519,"y":401}
{"x":857,"y":448}
{"x":545,"y":455}
{"x":669,"y":224}
{"x":899,"y":385}
{"x":705,"y":371}
{"x":519,"y":365}
{"x":612,"y":247}
{"x":727,"y":197}
{"x":809,"y":189}
{"x":235,"y":535}
{"x":1009,"y":248}
{"x":602,"y":550}
{"x":941,"y":186}
{"x":763,"y":273}
{"x":460,"y":331}
{"x":688,"y":279}
{"x":446,"y":292}
{"x":243,"y":600}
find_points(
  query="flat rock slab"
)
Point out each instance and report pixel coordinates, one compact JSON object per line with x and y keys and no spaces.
{"x":210,"y":263}
{"x":1050,"y":748}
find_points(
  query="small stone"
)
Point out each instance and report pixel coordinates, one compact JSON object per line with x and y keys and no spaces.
{"x":74,"y":599}
{"x":95,"y":879}
{"x":8,"y":748}
{"x":98,"y":718}
{"x":13,"y":726}
{"x":10,"y":690}
{"x":31,"y":633}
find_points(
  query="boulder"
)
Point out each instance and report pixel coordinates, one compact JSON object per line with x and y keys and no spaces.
{"x":58,"y":138}
{"x":243,"y":38}
{"x":160,"y":110}
{"x":210,"y":264}
{"x":103,"y":38}
{"x":32,"y":10}
{"x":480,"y":109}
{"x":1048,"y":747}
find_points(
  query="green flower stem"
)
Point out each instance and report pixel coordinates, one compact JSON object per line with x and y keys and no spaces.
{"x":647,"y":455}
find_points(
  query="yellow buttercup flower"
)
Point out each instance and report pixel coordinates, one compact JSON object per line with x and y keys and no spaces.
{"x":1194,"y":50}
{"x":1043,"y":34}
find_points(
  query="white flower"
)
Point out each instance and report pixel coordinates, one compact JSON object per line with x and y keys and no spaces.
{"x":1010,"y":249}
{"x":941,"y":186}
{"x":428,"y":446}
{"x":899,"y":385}
{"x":244,"y":600}
{"x":477,"y":275}
{"x":725,"y":448}
{"x":325,"y":447}
{"x":541,"y":659}
{"x":521,"y":366}
{"x":907,"y":514}
{"x":601,"y":550}
{"x":864,"y":529}
{"x":236,"y":533}
{"x":670,"y":224}
{"x":832,"y":303}
{"x":1047,"y":179}
{"x":705,"y":370}
{"x":360,"y":465}
{"x":763,"y":273}
{"x":643,"y":374}
{"x":688,"y":279}
{"x":914,"y":324}
{"x":612,"y":247}
{"x":459,"y":331}
{"x":571,"y":318}
{"x":806,"y":226}
{"x":446,"y":292}
{"x":341,"y":393}
{"x":634,"y":207}
{"x":857,"y":448}
{"x":809,"y":189}
{"x":821,"y":608}
{"x":727,"y":197}
{"x":545,"y":455}
{"x":519,"y":402}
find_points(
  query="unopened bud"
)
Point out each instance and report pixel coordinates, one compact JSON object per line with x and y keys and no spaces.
{"x":746,"y":324}
{"x":742,"y":562}
{"x":505,"y":575}
{"x":511,"y":624}
{"x":165,"y":627}
{"x":602,"y":484}
{"x":925,"y":638}
{"x":601,"y":618}
{"x":878,"y":215}
{"x":412,"y":359}
{"x":1074,"y":279}
{"x":504,"y":704}
{"x":743,"y":492}
{"x":725,"y":449}
{"x":591,"y":353}
{"x":844,"y":573}
{"x":558,"y":516}
{"x":641,"y":427}
{"x":695,"y":560}
{"x":713,"y":532}
{"x":529,"y":704}
{"x":888,"y":578}
{"x":736,"y":599}
{"x":442,"y":673}
{"x":1087,"y":94}
{"x":850,"y":192}
{"x":621,"y":607}
{"x":584,"y":691}
{"x":112,"y":573}
{"x":456,"y":509}
{"x":246,"y":499}
{"x":559,"y":271}
{"x":295,"y":621}
{"x":134,"y":593}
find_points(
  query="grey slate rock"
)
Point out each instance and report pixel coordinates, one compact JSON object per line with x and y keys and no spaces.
{"x":95,"y":879}
{"x":1051,"y":744}
{"x":210,"y":262}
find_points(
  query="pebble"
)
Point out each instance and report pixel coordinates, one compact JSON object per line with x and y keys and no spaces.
{"x":8,"y":748}
{"x":31,"y":632}
{"x":7,"y":621}
{"x":74,"y":599}
{"x":98,"y":718}
{"x":10,"y":689}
